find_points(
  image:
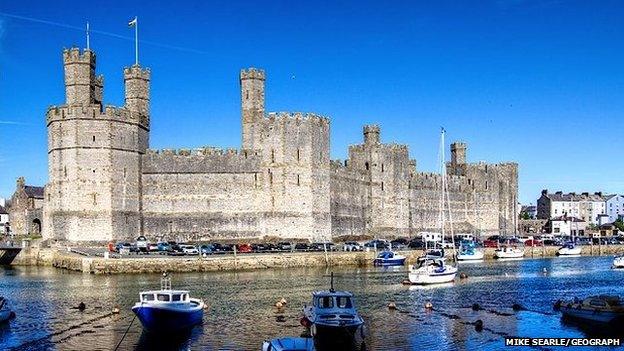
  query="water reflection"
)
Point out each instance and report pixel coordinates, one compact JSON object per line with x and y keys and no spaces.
{"x":242,"y":312}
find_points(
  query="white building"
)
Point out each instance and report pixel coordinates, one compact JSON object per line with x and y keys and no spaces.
{"x":615,"y":207}
{"x":567,"y":226}
{"x":585,"y":206}
{"x":4,"y":219}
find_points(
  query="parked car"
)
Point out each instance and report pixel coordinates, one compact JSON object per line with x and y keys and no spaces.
{"x":399,"y":244}
{"x":284,"y":246}
{"x":222,"y":248}
{"x":125,"y":246}
{"x":532,"y":242}
{"x":164,"y":246}
{"x":416,"y":243}
{"x":302,"y":247}
{"x":379,"y":244}
{"x":244,"y":248}
{"x":141,"y":243}
{"x":189,"y":249}
{"x":352,"y":246}
{"x":151,"y":247}
{"x":206,"y":249}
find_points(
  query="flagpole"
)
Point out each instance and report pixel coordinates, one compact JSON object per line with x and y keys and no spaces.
{"x":136,"y":40}
{"x":88,"y":47}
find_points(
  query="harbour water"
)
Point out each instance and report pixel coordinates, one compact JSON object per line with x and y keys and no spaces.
{"x":241,"y":311}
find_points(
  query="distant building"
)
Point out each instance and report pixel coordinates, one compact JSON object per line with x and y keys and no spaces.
{"x":4,"y":219}
{"x":614,"y":207}
{"x":528,"y":210}
{"x":585,"y":206}
{"x":26,"y":209}
{"x":566,"y":226}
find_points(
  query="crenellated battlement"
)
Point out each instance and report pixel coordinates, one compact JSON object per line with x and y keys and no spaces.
{"x":120,"y":114}
{"x":75,"y":55}
{"x":252,"y":73}
{"x":201,"y":160}
{"x":136,"y":71}
{"x":297,"y":116}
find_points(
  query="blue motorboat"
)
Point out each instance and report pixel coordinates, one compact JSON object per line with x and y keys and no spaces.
{"x":167,"y":310}
{"x":389,"y":258}
{"x":468,"y":252}
{"x":289,"y":344}
{"x":333,"y":319}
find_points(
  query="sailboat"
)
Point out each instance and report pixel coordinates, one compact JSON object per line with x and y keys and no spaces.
{"x":433,"y":270}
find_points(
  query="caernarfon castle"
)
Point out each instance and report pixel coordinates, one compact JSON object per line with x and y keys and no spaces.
{"x":106,"y":184}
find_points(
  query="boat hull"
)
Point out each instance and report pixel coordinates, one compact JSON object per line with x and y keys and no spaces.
{"x":591,"y":315}
{"x":475,"y":256}
{"x":331,"y":336}
{"x":5,"y":315}
{"x":389,"y":261}
{"x":569,"y":252}
{"x":424,"y":278}
{"x":156,"y":319}
{"x":618,"y":262}
{"x":504,"y":254}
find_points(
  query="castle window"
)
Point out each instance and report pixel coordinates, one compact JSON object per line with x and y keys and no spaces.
{"x":94,"y":138}
{"x":272,"y":155}
{"x":255,"y":180}
{"x":246,"y":94}
{"x":366,"y":166}
{"x":382,"y":186}
{"x":382,"y":167}
{"x":65,"y":170}
{"x":298,"y":155}
{"x":124,"y":173}
{"x":486,"y":185}
{"x":270,"y":177}
{"x":298,"y":181}
{"x":94,"y":198}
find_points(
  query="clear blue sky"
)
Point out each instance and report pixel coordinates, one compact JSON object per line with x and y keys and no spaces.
{"x":536,"y":82}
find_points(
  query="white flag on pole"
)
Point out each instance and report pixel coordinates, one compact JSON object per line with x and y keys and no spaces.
{"x":132,"y":23}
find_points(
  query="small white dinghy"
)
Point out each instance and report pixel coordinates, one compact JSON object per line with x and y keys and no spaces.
{"x":569,"y":249}
{"x":508,"y":252}
{"x":618,"y":261}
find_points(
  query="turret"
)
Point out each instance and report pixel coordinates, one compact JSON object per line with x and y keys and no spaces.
{"x":137,"y":84}
{"x":458,"y":158}
{"x":82,"y":87}
{"x":371,"y":134}
{"x":252,"y":104}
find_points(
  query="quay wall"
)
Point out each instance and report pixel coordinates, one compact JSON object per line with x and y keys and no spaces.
{"x":158,"y":264}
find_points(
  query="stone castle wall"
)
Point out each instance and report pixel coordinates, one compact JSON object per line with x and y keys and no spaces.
{"x":105,"y":184}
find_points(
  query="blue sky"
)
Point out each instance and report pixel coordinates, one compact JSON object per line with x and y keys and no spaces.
{"x":536,"y":82}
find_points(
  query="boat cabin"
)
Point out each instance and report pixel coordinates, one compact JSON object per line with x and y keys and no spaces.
{"x":332,"y":300}
{"x":172,"y":296}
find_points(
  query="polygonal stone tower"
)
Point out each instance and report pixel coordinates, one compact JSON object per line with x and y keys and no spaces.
{"x":458,"y":159}
{"x":252,"y":105}
{"x":94,"y":155}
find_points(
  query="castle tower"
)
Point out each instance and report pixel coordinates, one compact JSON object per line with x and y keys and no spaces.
{"x":252,"y":105}
{"x":371,"y":134}
{"x":137,"y":84}
{"x":82,"y":87}
{"x":458,"y":158}
{"x":94,"y":156}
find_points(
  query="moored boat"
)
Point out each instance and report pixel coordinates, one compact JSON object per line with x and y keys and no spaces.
{"x":603,"y":309}
{"x":508,"y":252}
{"x":289,"y":344}
{"x":468,"y":252}
{"x":333,"y":318}
{"x":618,"y":261}
{"x":431,"y":271}
{"x":5,"y":311}
{"x":569,"y":249}
{"x":167,"y":310}
{"x":389,"y":258}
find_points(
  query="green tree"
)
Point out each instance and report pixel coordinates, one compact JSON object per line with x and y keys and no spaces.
{"x":619,"y":224}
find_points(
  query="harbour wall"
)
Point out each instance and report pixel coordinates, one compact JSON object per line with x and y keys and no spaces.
{"x":158,"y":264}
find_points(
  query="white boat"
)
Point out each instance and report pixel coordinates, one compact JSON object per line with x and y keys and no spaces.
{"x":618,"y":261}
{"x":601,"y":309}
{"x":569,"y":249}
{"x":508,"y":252}
{"x":431,"y":271}
{"x":389,"y":258}
{"x":469,"y":252}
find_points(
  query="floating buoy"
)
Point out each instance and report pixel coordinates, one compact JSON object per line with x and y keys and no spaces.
{"x":557,"y":305}
{"x":463,"y":275}
{"x":305,"y":322}
{"x":81,"y":306}
{"x":392,"y":306}
{"x":429,"y":305}
{"x":478,"y":325}
{"x":516,"y":307}
{"x":279,"y":304}
{"x":476,"y":307}
{"x":115,"y":310}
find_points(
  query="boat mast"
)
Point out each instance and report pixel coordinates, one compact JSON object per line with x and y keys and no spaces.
{"x":442,"y":185}
{"x":448,"y":200}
